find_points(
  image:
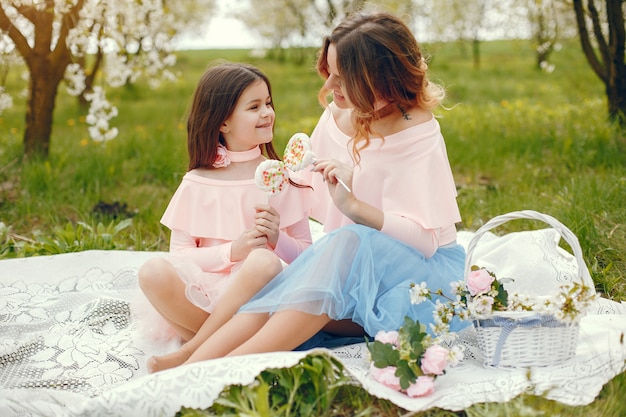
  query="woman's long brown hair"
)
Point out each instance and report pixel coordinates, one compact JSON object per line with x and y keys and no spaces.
{"x":378,"y":58}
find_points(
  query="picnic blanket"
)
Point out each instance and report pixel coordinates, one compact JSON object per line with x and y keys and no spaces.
{"x":69,"y":347}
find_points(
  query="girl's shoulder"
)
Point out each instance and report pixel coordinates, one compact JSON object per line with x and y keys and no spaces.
{"x":205,"y":175}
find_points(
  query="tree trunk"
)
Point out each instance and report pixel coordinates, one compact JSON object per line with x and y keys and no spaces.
{"x":476,"y":52}
{"x":607,"y":59}
{"x":90,"y":76}
{"x":44,"y":84}
{"x":617,"y":63}
{"x":616,"y":97}
{"x":46,"y":65}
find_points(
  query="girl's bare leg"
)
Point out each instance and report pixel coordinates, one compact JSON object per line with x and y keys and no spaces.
{"x":166,"y":292}
{"x":228,"y":337}
{"x":285,"y":330}
{"x":257,"y":270}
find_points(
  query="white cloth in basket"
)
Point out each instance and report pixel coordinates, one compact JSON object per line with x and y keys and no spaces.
{"x":533,"y":259}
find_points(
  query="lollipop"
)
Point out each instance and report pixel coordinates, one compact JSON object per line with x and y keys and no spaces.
{"x":298,"y":154}
{"x":271,"y":177}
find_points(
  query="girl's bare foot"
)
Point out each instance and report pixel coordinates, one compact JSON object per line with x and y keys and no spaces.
{"x":171,"y":360}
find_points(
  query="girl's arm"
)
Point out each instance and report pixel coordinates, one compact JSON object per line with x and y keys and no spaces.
{"x":212,"y":258}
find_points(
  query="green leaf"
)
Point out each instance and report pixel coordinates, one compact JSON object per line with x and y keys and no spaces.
{"x":412,"y":332}
{"x":417,"y":350}
{"x":383,"y":354}
{"x":503,"y":295}
{"x":405,"y":373}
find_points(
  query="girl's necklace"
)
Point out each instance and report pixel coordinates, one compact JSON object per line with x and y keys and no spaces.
{"x":244,"y":156}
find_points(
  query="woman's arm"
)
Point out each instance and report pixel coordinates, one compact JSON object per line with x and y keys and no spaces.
{"x":293,"y":240}
{"x":396,"y":226}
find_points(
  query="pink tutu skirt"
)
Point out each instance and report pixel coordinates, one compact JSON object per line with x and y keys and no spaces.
{"x":202,"y":289}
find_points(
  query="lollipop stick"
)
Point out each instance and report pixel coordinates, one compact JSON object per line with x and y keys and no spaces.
{"x":343,"y":184}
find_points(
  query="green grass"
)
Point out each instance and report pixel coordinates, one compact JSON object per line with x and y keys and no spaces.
{"x":517,"y":139}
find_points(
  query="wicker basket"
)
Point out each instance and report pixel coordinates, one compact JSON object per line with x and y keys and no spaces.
{"x":524,"y":339}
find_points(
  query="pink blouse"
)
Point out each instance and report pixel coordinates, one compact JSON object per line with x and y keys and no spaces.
{"x":407,"y":176}
{"x":205,"y":215}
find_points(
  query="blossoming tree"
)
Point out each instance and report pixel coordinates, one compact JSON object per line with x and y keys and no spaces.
{"x":128,"y":38}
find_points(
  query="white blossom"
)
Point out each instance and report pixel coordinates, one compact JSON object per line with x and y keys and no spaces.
{"x":133,"y":39}
{"x":480,"y":307}
{"x":521,"y":302}
{"x":547,"y":67}
{"x":75,"y":78}
{"x":458,"y":287}
{"x":100,"y":112}
{"x":419,"y":293}
{"x":456,"y":355}
{"x":6,"y":101}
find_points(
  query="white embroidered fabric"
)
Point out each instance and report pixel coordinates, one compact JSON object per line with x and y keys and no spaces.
{"x":68,"y":347}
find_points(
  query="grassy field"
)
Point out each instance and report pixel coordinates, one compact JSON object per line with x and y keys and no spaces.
{"x":517,"y":138}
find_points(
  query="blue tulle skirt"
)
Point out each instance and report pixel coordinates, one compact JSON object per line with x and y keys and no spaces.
{"x":361,"y":274}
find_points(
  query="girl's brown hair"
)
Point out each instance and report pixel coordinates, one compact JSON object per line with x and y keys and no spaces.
{"x":215,"y":99}
{"x":378,"y":58}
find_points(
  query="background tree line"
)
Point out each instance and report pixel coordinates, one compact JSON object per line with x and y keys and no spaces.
{"x":92,"y":45}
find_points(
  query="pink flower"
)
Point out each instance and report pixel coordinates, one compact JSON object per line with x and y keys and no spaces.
{"x":425,"y":385}
{"x":386,"y":376}
{"x":479,"y":281}
{"x":435,"y":360}
{"x":221,"y":159}
{"x":387,"y":337}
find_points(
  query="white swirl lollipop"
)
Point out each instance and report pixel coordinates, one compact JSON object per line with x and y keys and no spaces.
{"x":271,"y":176}
{"x":298,"y":153}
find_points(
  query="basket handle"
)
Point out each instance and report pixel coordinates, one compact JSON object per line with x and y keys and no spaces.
{"x":566,"y":234}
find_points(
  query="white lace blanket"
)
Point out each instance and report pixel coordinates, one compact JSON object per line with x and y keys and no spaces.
{"x":69,"y":348}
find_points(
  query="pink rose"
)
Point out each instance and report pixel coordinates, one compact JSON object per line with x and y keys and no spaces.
{"x":479,"y":281}
{"x":386,"y":376}
{"x":435,"y":360}
{"x":425,"y":385}
{"x":387,"y":337}
{"x":221,"y":159}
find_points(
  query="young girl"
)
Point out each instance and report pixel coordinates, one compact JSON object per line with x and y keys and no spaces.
{"x":226,"y":243}
{"x":394,"y":222}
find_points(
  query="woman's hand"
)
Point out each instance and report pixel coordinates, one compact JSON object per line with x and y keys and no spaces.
{"x":267,"y":221}
{"x":246,"y":243}
{"x":345,"y":200}
{"x":334,"y":173}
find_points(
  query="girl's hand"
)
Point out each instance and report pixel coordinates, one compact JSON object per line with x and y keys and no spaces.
{"x":267,"y":221}
{"x":333,"y":170}
{"x":246,"y":243}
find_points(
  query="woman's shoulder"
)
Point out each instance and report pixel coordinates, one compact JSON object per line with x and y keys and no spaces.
{"x":408,"y":121}
{"x":342,"y":118}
